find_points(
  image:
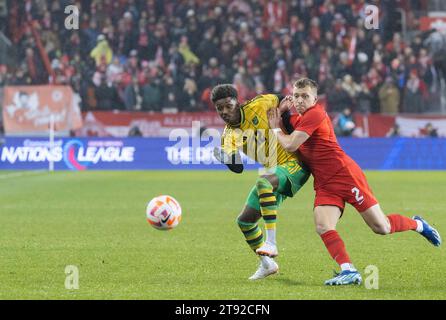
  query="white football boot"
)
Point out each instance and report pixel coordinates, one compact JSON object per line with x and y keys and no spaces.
{"x":268,"y":249}
{"x":267,"y":267}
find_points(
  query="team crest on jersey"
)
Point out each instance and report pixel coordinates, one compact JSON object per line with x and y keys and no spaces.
{"x":255,"y":121}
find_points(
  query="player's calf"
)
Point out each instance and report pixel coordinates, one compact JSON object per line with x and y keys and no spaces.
{"x":252,"y":233}
{"x":268,"y":206}
{"x":381,"y":229}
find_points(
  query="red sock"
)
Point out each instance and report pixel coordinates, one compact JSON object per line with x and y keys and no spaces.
{"x":399,"y":223}
{"x":335,"y":246}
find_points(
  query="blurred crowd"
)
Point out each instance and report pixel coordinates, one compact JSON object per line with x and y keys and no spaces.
{"x":165,"y":54}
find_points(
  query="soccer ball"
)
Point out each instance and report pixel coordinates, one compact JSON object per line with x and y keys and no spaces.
{"x":163,"y":212}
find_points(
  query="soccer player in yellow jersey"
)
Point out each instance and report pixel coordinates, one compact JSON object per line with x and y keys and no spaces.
{"x":247,"y":130}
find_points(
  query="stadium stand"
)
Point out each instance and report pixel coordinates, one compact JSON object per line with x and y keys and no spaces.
{"x":154,"y":55}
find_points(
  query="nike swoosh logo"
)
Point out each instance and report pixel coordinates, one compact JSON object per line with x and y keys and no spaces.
{"x":165,"y":220}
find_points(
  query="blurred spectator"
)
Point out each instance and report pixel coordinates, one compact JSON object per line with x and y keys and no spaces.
{"x":102,"y":53}
{"x":208,"y":46}
{"x":337,"y":98}
{"x":436,"y":42}
{"x":189,"y":97}
{"x":151,"y":96}
{"x":133,"y":96}
{"x":91,"y":34}
{"x":170,"y":93}
{"x":188,"y":56}
{"x":114,"y":71}
{"x":20,"y":77}
{"x":3,"y":75}
{"x":430,"y":131}
{"x":135,"y":132}
{"x":260,"y":46}
{"x":107,"y":96}
{"x":281,"y":78}
{"x":415,"y":93}
{"x":345,"y":124}
{"x":276,"y":13}
{"x":394,"y":131}
{"x":89,"y":102}
{"x":365,"y":99}
{"x":35,"y":67}
{"x":389,"y":97}
{"x":132,"y":65}
{"x":242,"y":84}
{"x":351,"y":87}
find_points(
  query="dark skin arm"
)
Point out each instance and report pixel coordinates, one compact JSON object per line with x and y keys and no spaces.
{"x":233,"y":161}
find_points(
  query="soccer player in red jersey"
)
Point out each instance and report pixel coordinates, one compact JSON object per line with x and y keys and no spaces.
{"x":337,"y":180}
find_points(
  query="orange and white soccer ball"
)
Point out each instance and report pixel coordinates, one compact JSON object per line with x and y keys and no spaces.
{"x":163,"y":212}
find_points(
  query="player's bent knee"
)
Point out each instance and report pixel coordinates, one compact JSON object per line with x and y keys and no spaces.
{"x":322,"y":228}
{"x":381,"y":229}
{"x":262,"y":182}
{"x":266,"y":181}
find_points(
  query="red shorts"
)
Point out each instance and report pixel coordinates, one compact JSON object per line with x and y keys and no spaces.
{"x":348,"y":185}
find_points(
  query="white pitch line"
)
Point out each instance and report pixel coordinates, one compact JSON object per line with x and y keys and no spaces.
{"x":21,"y":174}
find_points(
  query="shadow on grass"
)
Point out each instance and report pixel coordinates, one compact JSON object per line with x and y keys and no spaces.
{"x":288,"y":281}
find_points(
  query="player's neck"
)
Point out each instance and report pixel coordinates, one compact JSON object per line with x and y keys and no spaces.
{"x":238,"y":121}
{"x":309,"y":108}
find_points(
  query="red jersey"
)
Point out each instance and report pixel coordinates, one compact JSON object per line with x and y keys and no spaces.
{"x":321,"y":153}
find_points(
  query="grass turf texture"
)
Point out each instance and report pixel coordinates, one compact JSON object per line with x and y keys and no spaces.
{"x":96,"y":221}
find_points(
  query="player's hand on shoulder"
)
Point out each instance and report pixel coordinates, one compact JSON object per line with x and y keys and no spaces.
{"x":274,"y":118}
{"x":286,"y":104}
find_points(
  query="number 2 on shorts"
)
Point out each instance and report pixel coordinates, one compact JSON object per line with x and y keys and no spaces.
{"x":358,"y":197}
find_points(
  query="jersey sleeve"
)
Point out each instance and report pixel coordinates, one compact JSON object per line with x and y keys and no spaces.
{"x":272,"y":100}
{"x":231,"y":140}
{"x":260,"y":105}
{"x":310,"y":121}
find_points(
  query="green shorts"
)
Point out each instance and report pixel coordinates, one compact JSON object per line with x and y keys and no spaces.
{"x":291,"y":178}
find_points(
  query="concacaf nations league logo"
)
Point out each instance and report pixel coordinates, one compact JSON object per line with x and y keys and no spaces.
{"x":70,"y":157}
{"x":79,"y":155}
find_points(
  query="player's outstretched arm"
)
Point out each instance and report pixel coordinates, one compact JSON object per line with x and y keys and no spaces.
{"x":233,"y":161}
{"x":290,"y":142}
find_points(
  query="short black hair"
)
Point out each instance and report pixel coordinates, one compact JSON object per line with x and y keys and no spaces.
{"x":223,"y":91}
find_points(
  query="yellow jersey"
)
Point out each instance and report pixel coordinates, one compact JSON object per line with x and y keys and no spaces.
{"x":253,"y":136}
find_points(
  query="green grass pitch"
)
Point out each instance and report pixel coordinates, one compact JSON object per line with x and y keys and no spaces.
{"x":96,"y":221}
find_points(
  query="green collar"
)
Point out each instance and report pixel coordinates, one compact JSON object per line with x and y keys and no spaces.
{"x":242,"y":118}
